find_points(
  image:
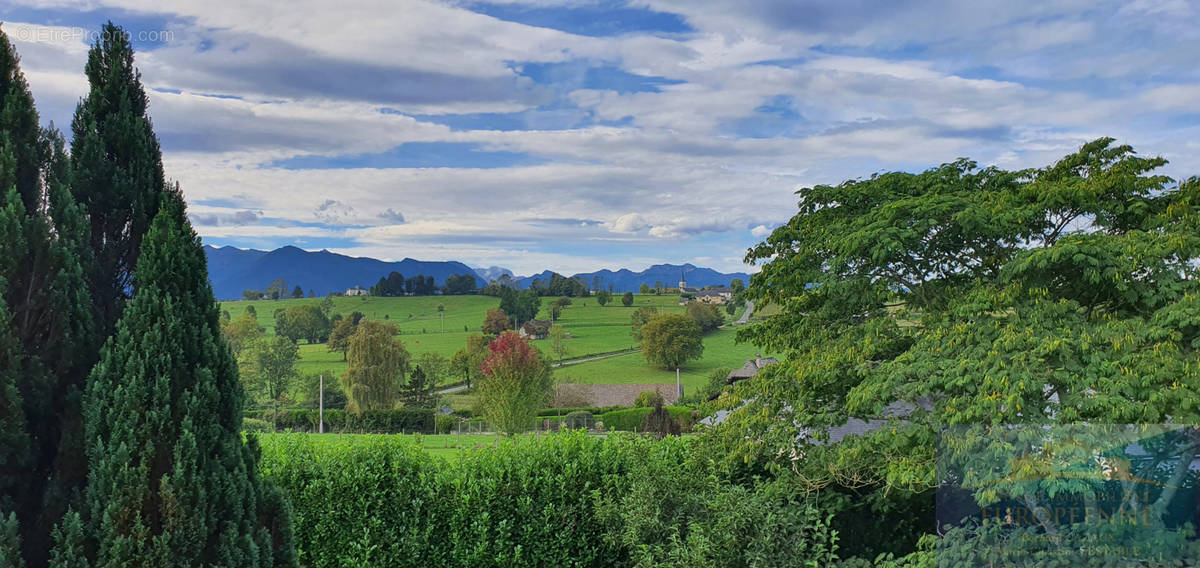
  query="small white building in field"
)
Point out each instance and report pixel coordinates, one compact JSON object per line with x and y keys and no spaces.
{"x":356,"y":291}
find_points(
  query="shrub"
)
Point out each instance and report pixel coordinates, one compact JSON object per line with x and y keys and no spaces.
{"x":648,"y":399}
{"x":630,"y":419}
{"x":256,"y":425}
{"x":445,"y":423}
{"x":402,"y":420}
{"x":580,"y":420}
{"x":568,"y":500}
{"x":660,"y":423}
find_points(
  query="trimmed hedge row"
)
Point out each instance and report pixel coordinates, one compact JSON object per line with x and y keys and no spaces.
{"x":630,"y":419}
{"x":596,"y":410}
{"x":402,"y":420}
{"x":406,"y":420}
{"x":564,"y":500}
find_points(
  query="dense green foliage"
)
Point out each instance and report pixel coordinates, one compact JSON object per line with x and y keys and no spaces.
{"x":116,"y":169}
{"x":707,"y":316}
{"x":138,"y":459}
{"x":638,"y":319}
{"x":170,"y":478}
{"x":632,"y":419}
{"x":519,"y":306}
{"x":978,"y":296}
{"x":566,"y":500}
{"x":670,"y":340}
{"x":309,"y":322}
{"x":48,"y":335}
{"x":378,"y":362}
{"x":579,"y":419}
{"x":516,"y":382}
{"x":395,"y":421}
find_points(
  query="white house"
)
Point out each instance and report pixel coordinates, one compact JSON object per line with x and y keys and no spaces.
{"x":356,"y":291}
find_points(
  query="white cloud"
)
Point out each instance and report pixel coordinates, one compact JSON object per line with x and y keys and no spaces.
{"x":1017,"y":85}
{"x":629,"y":223}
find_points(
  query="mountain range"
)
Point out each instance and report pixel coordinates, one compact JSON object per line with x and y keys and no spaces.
{"x":625,"y":280}
{"x":233,"y":270}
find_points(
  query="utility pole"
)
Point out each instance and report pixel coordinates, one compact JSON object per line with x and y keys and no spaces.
{"x":321,"y":407}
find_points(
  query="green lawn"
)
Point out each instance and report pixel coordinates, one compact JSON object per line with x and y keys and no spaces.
{"x":592,"y":328}
{"x":720,"y":350}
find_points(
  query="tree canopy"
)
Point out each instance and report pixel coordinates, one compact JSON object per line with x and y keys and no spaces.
{"x":670,"y":340}
{"x":516,"y":382}
{"x":378,"y":364}
{"x":972,"y":296}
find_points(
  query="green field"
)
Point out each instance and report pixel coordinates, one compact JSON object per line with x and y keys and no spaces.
{"x":593,"y":329}
{"x":720,"y":350}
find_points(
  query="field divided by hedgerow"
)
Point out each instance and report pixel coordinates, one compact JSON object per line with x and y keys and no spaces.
{"x":593,"y":329}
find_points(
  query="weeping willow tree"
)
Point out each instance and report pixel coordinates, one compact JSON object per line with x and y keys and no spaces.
{"x":378,"y":364}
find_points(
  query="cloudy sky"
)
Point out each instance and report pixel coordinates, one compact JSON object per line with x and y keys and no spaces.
{"x":576,"y":135}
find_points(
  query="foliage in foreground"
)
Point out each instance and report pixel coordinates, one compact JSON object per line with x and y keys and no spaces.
{"x":969,"y":296}
{"x":568,"y":500}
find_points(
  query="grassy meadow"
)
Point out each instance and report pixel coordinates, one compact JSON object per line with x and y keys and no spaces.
{"x":593,"y":330}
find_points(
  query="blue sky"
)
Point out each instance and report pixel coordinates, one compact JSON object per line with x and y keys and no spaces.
{"x":575,"y":135}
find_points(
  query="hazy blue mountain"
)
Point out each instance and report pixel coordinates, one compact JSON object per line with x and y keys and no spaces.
{"x":492,"y":272}
{"x":233,"y":270}
{"x":625,"y":280}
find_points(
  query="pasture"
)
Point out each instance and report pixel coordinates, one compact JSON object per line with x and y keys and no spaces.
{"x":592,"y":329}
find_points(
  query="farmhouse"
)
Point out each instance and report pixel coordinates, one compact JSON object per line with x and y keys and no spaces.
{"x":710,"y":295}
{"x":751,"y":368}
{"x":356,"y":291}
{"x":535,"y":329}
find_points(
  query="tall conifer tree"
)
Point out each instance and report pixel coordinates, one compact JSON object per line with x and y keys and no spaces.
{"x":171,"y":481}
{"x":117,"y":169}
{"x":47,"y":342}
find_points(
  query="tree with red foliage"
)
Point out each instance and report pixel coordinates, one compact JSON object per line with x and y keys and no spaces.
{"x":516,"y":383}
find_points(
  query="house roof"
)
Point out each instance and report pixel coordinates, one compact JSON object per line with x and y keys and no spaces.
{"x":751,"y":368}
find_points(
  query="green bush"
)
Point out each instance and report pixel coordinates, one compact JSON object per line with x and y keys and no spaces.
{"x":648,"y":399}
{"x":568,"y":499}
{"x":569,"y":409}
{"x":445,"y":423}
{"x":256,"y":425}
{"x":402,"y":420}
{"x":580,"y":420}
{"x":630,"y":419}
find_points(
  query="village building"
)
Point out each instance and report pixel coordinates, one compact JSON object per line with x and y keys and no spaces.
{"x":356,"y":291}
{"x":535,"y":329}
{"x":750,"y":369}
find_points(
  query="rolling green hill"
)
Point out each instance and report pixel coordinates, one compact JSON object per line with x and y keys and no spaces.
{"x":593,"y":330}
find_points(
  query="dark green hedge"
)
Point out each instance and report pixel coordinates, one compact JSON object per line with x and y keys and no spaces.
{"x":399,"y":421}
{"x":630,"y":419}
{"x":597,"y":410}
{"x":564,"y":499}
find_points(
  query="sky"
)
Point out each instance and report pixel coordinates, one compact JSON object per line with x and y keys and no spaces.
{"x":576,"y":135}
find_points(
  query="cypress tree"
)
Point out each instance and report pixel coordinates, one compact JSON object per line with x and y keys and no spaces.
{"x":19,"y":123}
{"x":117,"y":169}
{"x":171,"y":482}
{"x":47,"y":343}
